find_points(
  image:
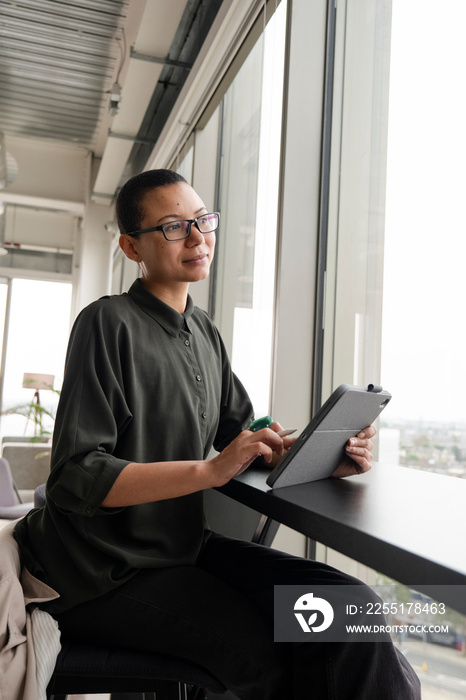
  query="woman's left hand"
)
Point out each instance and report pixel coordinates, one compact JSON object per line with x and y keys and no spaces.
{"x":358,"y":454}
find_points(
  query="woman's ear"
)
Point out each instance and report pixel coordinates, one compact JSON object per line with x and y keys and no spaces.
{"x":129,"y":247}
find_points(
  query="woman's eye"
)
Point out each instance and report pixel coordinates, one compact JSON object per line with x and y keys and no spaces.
{"x":173,"y":228}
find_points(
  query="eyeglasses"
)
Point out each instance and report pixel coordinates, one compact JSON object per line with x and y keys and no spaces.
{"x":176,"y":230}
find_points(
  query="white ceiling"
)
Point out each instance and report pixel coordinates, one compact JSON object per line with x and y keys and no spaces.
{"x":156,"y":31}
{"x":58,"y":62}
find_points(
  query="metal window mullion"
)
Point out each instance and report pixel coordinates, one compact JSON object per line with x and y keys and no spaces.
{"x":6,"y":326}
{"x":324,"y":209}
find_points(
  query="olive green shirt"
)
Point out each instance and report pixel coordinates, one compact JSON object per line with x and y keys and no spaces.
{"x":142,"y":383}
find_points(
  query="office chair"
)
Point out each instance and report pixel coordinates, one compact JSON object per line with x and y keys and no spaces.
{"x":10,"y":507}
{"x":87,"y":669}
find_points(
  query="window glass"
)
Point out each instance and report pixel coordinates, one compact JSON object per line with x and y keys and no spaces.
{"x":185,"y":166}
{"x":351,"y":329}
{"x":38,"y":330}
{"x":396,"y":253}
{"x":425,"y":244}
{"x":3,"y":298}
{"x":248,"y":204}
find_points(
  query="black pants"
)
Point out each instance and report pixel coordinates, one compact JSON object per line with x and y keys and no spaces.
{"x":219,"y":614}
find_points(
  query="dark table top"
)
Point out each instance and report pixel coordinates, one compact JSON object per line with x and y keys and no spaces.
{"x":402,"y":522}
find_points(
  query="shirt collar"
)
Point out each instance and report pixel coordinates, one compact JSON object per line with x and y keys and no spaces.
{"x":172,"y":321}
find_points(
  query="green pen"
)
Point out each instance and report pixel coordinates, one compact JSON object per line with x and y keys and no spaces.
{"x":260,"y":423}
{"x":265,"y":422}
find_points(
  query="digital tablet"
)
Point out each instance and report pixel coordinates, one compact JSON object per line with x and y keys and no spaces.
{"x":320,"y":448}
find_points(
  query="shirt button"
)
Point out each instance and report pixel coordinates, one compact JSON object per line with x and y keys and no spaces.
{"x":89,"y":509}
{"x":186,"y":342}
{"x":204,"y":415}
{"x":199,"y":378}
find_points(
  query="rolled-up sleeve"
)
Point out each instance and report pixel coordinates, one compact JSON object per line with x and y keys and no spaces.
{"x":91,"y":416}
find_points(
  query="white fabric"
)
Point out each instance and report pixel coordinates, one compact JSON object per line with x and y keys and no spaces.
{"x":46,"y":642}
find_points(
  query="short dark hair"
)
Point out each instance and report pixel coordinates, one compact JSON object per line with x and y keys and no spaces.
{"x":129,"y":209}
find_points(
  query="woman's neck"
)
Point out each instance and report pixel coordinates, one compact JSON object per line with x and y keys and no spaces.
{"x":176,"y":297}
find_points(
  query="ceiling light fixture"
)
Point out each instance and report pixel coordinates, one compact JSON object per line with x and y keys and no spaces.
{"x":115,"y":97}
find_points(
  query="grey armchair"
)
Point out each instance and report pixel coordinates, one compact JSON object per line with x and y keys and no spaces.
{"x":10,"y":508}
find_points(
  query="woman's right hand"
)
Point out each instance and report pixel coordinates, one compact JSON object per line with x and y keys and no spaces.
{"x":156,"y":481}
{"x":242,"y":451}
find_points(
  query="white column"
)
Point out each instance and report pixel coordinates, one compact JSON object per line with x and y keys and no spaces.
{"x":94,"y":259}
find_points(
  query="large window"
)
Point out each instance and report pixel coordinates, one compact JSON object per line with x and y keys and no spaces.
{"x":249,"y":177}
{"x":355,"y":244}
{"x":396,"y":243}
{"x":395,"y":250}
{"x":425,"y":243}
{"x":422,"y":331}
{"x":38,"y":324}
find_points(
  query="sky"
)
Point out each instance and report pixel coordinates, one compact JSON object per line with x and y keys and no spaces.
{"x":424,"y":329}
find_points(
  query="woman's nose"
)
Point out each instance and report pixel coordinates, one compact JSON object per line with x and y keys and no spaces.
{"x":195,"y":236}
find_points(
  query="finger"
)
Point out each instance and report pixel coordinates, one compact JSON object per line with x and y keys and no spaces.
{"x":361,"y":463}
{"x":358,"y":442}
{"x":275,"y":426}
{"x":359,"y":454}
{"x":368,"y":432}
{"x":270,"y":437}
{"x":262,"y":442}
{"x":351,"y":467}
{"x":288,"y":441}
{"x":362,"y":466}
{"x":267,"y":452}
{"x":358,"y":450}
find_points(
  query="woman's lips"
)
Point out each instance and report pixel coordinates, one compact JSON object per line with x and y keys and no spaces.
{"x":198,"y":260}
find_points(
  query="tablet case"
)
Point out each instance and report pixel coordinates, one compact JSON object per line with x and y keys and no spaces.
{"x":320,"y":448}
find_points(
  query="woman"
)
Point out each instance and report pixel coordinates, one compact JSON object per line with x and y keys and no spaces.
{"x":148,"y":390}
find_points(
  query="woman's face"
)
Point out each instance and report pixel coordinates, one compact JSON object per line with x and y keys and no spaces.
{"x":171,"y":263}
